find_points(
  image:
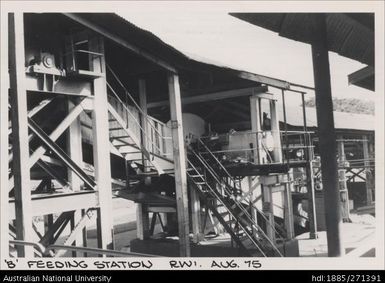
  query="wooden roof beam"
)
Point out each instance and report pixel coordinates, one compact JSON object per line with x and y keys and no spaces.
{"x":77,"y":18}
{"x":213,"y":96}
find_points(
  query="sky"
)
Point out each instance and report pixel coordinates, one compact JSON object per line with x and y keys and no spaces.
{"x":208,"y":31}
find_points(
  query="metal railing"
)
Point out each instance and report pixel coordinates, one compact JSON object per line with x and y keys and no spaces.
{"x":229,"y":193}
{"x":154,"y":136}
{"x":258,"y":148}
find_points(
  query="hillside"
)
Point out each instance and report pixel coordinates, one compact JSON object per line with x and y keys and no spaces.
{"x":349,"y":105}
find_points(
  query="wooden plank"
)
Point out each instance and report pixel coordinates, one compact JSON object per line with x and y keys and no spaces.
{"x":179,"y":164}
{"x":121,"y":41}
{"x":59,"y":130}
{"x":327,"y":135}
{"x":87,"y":218}
{"x":161,"y":209}
{"x":101,"y":146}
{"x":213,"y":96}
{"x":56,"y":203}
{"x":74,"y":147}
{"x":20,"y":141}
{"x":264,"y":80}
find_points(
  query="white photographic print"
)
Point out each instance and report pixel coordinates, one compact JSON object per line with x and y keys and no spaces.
{"x":186,"y":135}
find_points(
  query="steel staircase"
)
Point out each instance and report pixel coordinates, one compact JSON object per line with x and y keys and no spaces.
{"x":230,"y":210}
{"x":129,"y":137}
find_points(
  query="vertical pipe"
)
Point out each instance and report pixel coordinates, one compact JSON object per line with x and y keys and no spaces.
{"x":327,"y":135}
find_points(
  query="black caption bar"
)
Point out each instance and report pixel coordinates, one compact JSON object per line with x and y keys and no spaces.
{"x":109,"y":276}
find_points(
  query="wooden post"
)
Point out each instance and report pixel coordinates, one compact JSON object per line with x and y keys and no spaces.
{"x":327,"y":136}
{"x":179,"y":164}
{"x":253,"y":183}
{"x":268,"y":209}
{"x":20,"y":142}
{"x":48,"y":219}
{"x":101,"y":147}
{"x":196,"y":216}
{"x":143,"y":225}
{"x":74,"y":148}
{"x":277,"y":152}
{"x":369,"y":176}
{"x":288,"y":206}
{"x":142,"y":216}
{"x":4,"y":233}
{"x":345,"y":209}
{"x":256,"y":127}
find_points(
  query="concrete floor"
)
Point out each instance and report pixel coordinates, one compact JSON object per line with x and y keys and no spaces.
{"x":359,"y":233}
{"x":355,"y":234}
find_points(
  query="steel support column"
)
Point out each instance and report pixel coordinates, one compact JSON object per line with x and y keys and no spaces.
{"x":327,"y":135}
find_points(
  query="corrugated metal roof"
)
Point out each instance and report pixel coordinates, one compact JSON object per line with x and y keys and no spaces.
{"x":154,"y":45}
{"x":149,"y":42}
{"x":349,"y":34}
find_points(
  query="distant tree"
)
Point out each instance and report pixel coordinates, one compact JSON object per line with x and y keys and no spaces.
{"x":349,"y":105}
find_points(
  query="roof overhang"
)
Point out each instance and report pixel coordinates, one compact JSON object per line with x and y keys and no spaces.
{"x":363,"y":78}
{"x":349,"y":34}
